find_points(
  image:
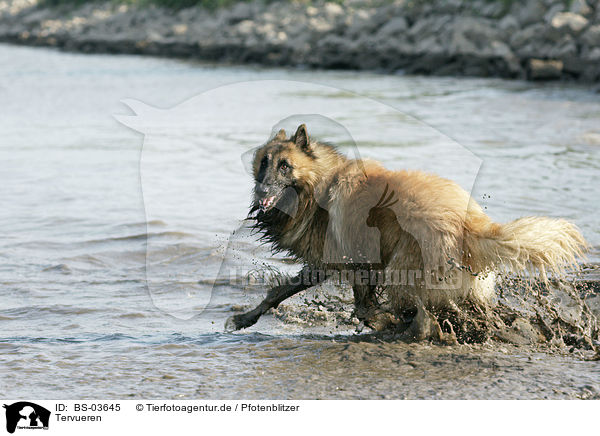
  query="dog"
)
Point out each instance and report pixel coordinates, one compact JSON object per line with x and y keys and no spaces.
{"x":423,"y":238}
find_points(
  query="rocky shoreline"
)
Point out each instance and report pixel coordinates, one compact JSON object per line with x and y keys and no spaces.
{"x":537,"y":39}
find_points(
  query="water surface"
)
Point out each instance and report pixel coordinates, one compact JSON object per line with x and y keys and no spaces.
{"x":76,"y":315}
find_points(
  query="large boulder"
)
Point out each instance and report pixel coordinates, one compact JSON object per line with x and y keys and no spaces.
{"x":394,"y":27}
{"x":591,"y":37}
{"x":564,"y":48}
{"x":524,"y":37}
{"x":333,"y":10}
{"x":594,"y":55}
{"x":539,"y":69}
{"x":529,"y":12}
{"x":427,"y":26}
{"x":509,"y":24}
{"x":360,"y":23}
{"x":568,"y":21}
{"x":581,"y":7}
{"x":240,"y":12}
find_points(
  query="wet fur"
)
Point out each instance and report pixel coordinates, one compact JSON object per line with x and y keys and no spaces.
{"x":338,"y":223}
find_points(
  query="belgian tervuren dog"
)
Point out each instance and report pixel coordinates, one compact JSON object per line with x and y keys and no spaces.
{"x":413,"y":237}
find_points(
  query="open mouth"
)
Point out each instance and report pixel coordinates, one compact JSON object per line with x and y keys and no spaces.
{"x":266,"y":203}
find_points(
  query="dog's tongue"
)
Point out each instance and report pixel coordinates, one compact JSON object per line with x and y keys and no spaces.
{"x":266,"y":202}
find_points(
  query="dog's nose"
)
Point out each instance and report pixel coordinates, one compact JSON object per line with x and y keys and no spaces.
{"x":261,"y":190}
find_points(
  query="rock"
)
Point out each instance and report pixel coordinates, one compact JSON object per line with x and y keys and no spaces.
{"x":580,"y":7}
{"x":449,"y":7}
{"x":591,"y":36}
{"x":460,"y":45}
{"x":508,"y":24}
{"x":36,"y":17}
{"x":479,"y":30}
{"x":319,"y":25}
{"x":244,"y":27}
{"x":563,"y":49}
{"x":240,"y":12}
{"x":539,"y":69}
{"x":526,"y":35}
{"x":594,"y":55}
{"x":360,"y":24}
{"x":474,"y":37}
{"x":490,"y":9}
{"x":554,"y":9}
{"x":333,"y":9}
{"x":529,"y":12}
{"x":332,"y":51}
{"x":428,"y":26}
{"x":268,"y":32}
{"x":297,"y":28}
{"x":364,"y":53}
{"x":429,"y":45}
{"x":499,"y":49}
{"x":395,"y":26}
{"x":311,"y":11}
{"x":569,"y":21}
{"x":394,"y":52}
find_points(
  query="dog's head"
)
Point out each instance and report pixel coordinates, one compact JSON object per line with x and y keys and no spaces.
{"x":283,"y":169}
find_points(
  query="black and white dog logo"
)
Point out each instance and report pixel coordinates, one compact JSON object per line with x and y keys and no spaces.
{"x":26,"y":415}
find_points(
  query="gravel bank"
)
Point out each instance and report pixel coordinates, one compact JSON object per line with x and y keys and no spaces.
{"x":537,"y":39}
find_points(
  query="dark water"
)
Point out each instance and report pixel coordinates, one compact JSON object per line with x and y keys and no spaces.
{"x":85,"y":313}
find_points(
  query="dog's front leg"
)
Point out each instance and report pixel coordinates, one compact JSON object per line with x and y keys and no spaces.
{"x":275,"y":296}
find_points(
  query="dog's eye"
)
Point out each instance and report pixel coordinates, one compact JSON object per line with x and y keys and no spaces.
{"x":284,"y":166}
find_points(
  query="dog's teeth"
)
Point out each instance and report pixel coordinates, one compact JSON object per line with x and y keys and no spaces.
{"x":266,"y":202}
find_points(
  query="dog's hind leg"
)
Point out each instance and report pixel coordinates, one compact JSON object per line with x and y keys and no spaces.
{"x":305,"y":279}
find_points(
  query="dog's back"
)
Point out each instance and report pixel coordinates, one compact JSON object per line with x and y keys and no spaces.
{"x":433,"y":240}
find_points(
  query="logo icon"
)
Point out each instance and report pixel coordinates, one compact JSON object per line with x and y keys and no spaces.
{"x":26,"y":415}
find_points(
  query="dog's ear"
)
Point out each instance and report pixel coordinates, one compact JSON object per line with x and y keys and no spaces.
{"x":301,"y":138}
{"x":281,"y":135}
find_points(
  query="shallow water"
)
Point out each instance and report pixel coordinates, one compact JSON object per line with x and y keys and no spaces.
{"x":77,"y":317}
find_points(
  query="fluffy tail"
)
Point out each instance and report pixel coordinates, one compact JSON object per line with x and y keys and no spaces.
{"x":537,"y":245}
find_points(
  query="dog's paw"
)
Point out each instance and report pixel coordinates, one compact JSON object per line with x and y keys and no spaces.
{"x":381,"y":321}
{"x":241,"y":321}
{"x":231,"y":324}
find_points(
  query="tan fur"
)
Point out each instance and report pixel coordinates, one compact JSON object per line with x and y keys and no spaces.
{"x":437,"y":227}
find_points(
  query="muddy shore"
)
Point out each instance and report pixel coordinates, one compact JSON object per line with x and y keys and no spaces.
{"x":538,"y":39}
